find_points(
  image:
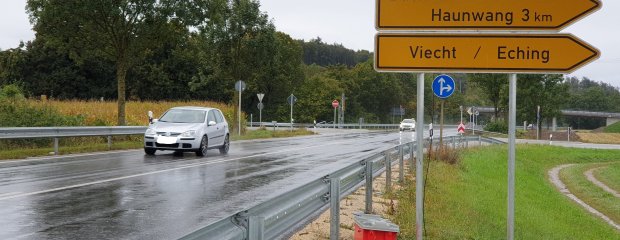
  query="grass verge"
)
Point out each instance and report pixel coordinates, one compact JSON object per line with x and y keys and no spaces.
{"x":602,"y":138}
{"x":468,"y":200}
{"x":591,"y":194}
{"x":263,"y":133}
{"x":609,"y":175}
{"x":614,"y":128}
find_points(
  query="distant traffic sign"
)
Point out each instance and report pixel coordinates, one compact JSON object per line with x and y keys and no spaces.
{"x":461,"y":128}
{"x":443,"y":86}
{"x":524,"y":53}
{"x":260,"y":106}
{"x":482,"y":14}
{"x":240,"y":86}
{"x":335,"y":103}
{"x":291,"y":99}
{"x":260,"y":96}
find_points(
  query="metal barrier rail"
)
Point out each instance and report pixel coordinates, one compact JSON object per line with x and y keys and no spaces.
{"x":59,"y":132}
{"x":285,"y":214}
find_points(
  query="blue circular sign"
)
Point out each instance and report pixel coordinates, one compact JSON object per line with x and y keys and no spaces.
{"x":443,"y":86}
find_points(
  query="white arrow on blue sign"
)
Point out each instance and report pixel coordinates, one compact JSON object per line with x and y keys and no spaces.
{"x":443,"y":86}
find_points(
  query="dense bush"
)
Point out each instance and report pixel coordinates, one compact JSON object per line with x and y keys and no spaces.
{"x":16,"y":112}
{"x":497,"y":126}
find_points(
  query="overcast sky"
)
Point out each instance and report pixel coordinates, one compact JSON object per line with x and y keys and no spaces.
{"x":351,"y":23}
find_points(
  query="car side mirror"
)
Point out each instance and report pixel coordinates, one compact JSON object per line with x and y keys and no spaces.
{"x":211,"y":123}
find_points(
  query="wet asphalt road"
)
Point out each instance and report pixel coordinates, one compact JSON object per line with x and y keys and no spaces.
{"x":127,"y":195}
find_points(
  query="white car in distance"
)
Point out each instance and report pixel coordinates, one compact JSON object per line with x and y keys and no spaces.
{"x":407,"y":124}
{"x":187,"y":129}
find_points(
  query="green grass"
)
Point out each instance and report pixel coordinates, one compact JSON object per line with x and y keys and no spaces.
{"x":70,"y":146}
{"x":23,"y":149}
{"x":614,"y":128}
{"x":263,"y":133}
{"x":591,"y":194}
{"x":468,"y":200}
{"x":609,"y":175}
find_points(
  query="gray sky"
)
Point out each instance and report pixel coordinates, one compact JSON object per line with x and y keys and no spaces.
{"x":351,"y":23}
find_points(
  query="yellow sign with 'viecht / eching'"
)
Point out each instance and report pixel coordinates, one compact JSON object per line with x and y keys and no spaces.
{"x":525,"y":53}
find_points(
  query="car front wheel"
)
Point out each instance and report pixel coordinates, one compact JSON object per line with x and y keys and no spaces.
{"x":149,"y":151}
{"x":224,"y":148}
{"x":202,"y":151}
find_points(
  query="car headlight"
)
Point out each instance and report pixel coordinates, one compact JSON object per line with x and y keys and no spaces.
{"x":190,"y":133}
{"x":150,"y":132}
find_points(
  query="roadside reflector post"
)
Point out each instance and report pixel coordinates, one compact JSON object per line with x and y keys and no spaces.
{"x":334,"y":212}
{"x":109,"y":142}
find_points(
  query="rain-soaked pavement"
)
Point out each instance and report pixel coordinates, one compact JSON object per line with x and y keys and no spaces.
{"x":127,"y":195}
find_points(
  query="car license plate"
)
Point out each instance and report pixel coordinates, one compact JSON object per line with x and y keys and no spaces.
{"x":166,"y":140}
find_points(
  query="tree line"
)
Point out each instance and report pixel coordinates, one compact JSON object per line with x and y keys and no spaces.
{"x":197,"y":49}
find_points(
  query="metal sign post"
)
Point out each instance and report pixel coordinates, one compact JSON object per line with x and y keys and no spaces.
{"x":260,"y":108}
{"x":239,"y":86}
{"x":335,"y":105}
{"x":419,"y":175}
{"x":512,"y":127}
{"x":291,"y":100}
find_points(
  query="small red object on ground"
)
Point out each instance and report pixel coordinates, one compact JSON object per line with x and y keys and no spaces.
{"x":373,"y":227}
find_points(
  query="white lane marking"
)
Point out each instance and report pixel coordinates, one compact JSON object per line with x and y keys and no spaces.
{"x":161,"y":171}
{"x":66,"y":156}
{"x":554,"y":177}
{"x":9,"y":194}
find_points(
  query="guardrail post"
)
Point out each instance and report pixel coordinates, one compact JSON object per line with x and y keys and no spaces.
{"x":334,"y":212}
{"x":368,"y":187}
{"x":388,"y":171}
{"x":56,"y":146}
{"x":401,"y":165}
{"x":479,"y":140}
{"x":256,"y":228}
{"x":109,"y":142}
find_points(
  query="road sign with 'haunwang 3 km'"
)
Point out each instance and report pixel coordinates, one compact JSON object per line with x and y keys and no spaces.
{"x":481,"y":14}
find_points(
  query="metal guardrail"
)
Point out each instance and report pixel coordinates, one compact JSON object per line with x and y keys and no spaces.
{"x":60,"y":132}
{"x":285,"y":214}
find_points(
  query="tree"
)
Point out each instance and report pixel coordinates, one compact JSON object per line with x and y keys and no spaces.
{"x":536,"y":90}
{"x":494,"y":87}
{"x":123,"y":31}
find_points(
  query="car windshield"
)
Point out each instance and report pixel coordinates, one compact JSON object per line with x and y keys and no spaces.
{"x":408,"y":121}
{"x":183,"y":116}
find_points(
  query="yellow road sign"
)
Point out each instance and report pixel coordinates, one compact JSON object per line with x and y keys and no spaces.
{"x":514,"y":53}
{"x":481,"y":14}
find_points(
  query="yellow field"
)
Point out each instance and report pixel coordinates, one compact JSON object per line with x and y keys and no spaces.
{"x":105,"y":113}
{"x":608,"y":138}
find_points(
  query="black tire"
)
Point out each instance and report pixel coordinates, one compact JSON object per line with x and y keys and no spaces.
{"x":149,"y":151}
{"x":204,"y":144}
{"x":224,"y":148}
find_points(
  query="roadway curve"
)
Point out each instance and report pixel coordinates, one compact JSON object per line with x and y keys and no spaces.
{"x":127,"y":195}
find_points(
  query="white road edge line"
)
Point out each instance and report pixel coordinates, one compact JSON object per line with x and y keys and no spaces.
{"x":160,"y":171}
{"x":9,"y":194}
{"x":554,"y":177}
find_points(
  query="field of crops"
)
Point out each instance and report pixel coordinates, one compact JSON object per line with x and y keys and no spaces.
{"x":104,"y":113}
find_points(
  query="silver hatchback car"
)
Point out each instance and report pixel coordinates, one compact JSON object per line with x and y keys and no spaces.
{"x":188,"y":129}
